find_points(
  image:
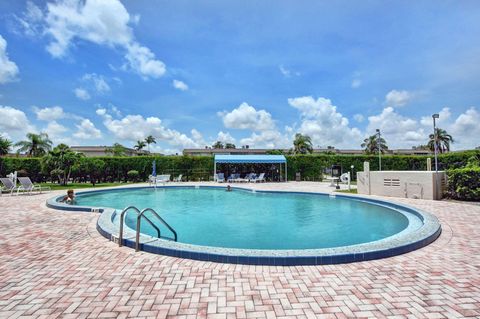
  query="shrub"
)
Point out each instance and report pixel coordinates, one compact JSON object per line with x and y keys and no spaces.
{"x":133,"y":175}
{"x":464,"y":183}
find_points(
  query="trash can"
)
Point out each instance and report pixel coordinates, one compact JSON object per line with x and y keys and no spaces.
{"x":297,"y":177}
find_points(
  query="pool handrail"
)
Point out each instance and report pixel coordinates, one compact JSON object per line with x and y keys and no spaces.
{"x":137,"y":240}
{"x":122,"y":215}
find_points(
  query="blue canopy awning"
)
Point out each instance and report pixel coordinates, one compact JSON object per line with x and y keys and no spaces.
{"x":239,"y":159}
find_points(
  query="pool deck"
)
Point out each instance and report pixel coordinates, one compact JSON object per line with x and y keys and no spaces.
{"x":56,"y":264}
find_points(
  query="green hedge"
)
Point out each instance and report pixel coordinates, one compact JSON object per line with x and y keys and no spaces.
{"x":198,"y":168}
{"x":464,"y":183}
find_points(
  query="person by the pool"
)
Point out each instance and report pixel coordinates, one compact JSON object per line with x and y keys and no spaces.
{"x":229,"y":189}
{"x":70,"y":198}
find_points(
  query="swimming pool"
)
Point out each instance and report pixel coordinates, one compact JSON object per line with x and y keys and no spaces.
{"x":247,"y":220}
{"x":258,"y":227}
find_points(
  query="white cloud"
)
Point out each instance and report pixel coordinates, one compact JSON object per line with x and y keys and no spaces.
{"x":247,"y":117}
{"x":359,"y":118}
{"x":8,"y":68}
{"x":179,"y":85}
{"x":396,"y":98}
{"x":225,"y":137}
{"x":444,"y":117}
{"x":14,"y":123}
{"x":356,"y":83}
{"x":99,"y":83}
{"x":142,"y":61}
{"x":466,"y":129}
{"x":322,"y":122}
{"x":136,"y":127}
{"x":267,"y":139}
{"x":49,"y":113}
{"x":82,"y":94}
{"x":398,"y":130}
{"x":87,"y":130}
{"x":103,"y":22}
{"x":286,"y":72}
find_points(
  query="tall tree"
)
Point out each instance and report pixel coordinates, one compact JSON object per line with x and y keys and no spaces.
{"x":371,"y":144}
{"x":150,"y":140}
{"x":5,"y":145}
{"x":140,"y":145}
{"x":218,"y":144}
{"x":302,"y":144}
{"x":443,"y":141}
{"x":229,"y":145}
{"x":35,"y":145}
{"x":60,"y":161}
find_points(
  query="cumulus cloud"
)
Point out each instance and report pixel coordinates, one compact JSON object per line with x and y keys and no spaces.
{"x":396,"y":98}
{"x":267,"y":139}
{"x":321,"y":121}
{"x":82,"y":94}
{"x":397,"y":129}
{"x":14,"y":122}
{"x":137,"y":127}
{"x":179,"y":85}
{"x":8,"y":68}
{"x":87,"y":130}
{"x":49,"y":113}
{"x":103,"y":22}
{"x":247,"y":117}
{"x":225,"y":137}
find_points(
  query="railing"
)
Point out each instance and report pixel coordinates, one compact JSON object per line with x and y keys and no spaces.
{"x":122,"y":217}
{"x":139,"y":219}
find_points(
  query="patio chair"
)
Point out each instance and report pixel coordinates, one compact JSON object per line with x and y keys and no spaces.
{"x":259,"y":178}
{"x":220,"y":178}
{"x":8,"y":185}
{"x":158,"y":179}
{"x":28,"y":187}
{"x":231,"y":178}
{"x":178,"y":179}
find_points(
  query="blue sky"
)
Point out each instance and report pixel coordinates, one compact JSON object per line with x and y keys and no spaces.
{"x":250,"y":72}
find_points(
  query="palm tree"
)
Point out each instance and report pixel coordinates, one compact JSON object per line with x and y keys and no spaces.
{"x":371,"y":143}
{"x":302,"y":144}
{"x":5,"y":145}
{"x":150,"y":140}
{"x":443,"y":141}
{"x":36,"y":144}
{"x":140,"y":145}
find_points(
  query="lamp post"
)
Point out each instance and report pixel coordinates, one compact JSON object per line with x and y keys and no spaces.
{"x":435,"y":146}
{"x":379,"y":150}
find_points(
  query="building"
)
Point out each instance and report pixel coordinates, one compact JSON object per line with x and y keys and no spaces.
{"x":98,"y":151}
{"x":260,"y":151}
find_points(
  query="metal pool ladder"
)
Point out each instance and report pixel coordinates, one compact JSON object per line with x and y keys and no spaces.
{"x":141,"y":214}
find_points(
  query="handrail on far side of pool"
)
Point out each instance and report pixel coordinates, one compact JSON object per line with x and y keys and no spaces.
{"x":122,"y":217}
{"x":139,"y":217}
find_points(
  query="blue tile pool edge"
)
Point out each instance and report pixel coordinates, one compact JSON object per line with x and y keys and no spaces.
{"x":106,"y":228}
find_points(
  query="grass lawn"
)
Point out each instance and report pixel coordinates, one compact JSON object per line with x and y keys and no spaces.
{"x":81,"y":185}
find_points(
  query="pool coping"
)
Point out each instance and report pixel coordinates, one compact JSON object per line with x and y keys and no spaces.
{"x":391,"y":246}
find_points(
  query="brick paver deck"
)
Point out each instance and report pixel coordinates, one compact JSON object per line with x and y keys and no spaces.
{"x":55,"y":264}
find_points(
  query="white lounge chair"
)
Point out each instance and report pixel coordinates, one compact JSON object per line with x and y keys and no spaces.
{"x":28,"y":187}
{"x":178,"y":179}
{"x":8,"y":185}
{"x":259,"y":178}
{"x":219,"y":178}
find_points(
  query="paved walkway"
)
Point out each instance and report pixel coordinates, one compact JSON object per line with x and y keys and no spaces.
{"x":55,"y":264}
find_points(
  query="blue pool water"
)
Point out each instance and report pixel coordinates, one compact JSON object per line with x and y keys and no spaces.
{"x":243,"y":219}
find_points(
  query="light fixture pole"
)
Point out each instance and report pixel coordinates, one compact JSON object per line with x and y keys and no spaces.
{"x":435,"y":146}
{"x":379,"y":150}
